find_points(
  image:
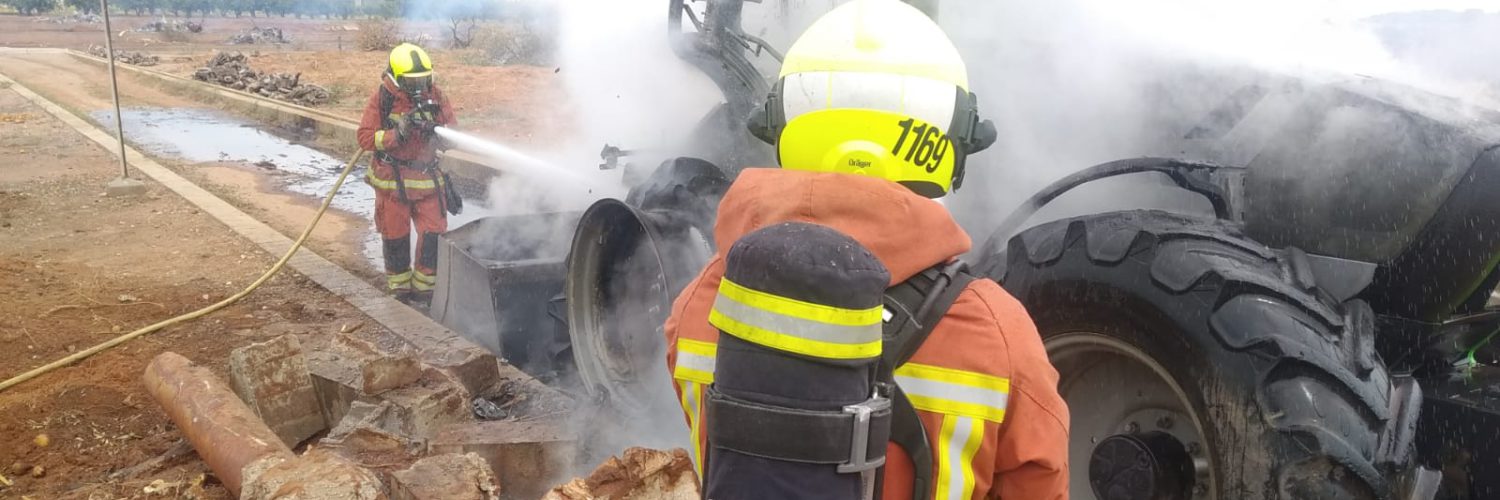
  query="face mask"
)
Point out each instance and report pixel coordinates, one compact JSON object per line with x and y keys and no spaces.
{"x":415,"y":83}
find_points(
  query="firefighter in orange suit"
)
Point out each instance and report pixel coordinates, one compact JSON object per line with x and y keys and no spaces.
{"x":871,"y":119}
{"x":398,"y":126}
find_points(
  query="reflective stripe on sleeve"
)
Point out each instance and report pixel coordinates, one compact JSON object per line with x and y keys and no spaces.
{"x":695,"y":361}
{"x":692,"y":397}
{"x":380,"y":140}
{"x":796,"y":326}
{"x":954,"y":392}
{"x":957,"y":443}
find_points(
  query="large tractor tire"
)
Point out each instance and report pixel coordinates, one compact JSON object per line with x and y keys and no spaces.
{"x":1199,"y":364}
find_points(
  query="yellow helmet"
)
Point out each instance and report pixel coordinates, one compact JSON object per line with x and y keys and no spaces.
{"x":410,"y":66}
{"x":876,"y":88}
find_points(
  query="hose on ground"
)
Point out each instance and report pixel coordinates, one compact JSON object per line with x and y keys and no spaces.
{"x":275,"y":268}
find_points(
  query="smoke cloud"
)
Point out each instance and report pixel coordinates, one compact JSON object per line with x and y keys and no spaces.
{"x":1075,"y":83}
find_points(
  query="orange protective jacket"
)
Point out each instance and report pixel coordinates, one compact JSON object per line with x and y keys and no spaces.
{"x":1020,"y":454}
{"x":418,"y":150}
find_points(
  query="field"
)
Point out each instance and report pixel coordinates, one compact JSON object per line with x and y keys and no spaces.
{"x":78,"y":267}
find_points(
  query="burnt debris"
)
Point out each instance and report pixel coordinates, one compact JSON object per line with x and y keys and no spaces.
{"x":232,"y":69}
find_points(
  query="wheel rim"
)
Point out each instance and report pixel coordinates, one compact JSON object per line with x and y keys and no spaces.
{"x":1115,"y":389}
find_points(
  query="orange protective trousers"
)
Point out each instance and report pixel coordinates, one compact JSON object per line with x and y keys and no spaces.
{"x":394,"y":219}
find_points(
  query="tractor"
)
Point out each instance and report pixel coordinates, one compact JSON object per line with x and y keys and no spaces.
{"x":1318,"y":326}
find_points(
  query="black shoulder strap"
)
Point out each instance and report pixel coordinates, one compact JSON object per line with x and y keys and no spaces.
{"x":387,"y":102}
{"x":916,"y":305}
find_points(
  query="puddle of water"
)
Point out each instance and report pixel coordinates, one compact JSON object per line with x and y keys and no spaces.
{"x":207,"y":136}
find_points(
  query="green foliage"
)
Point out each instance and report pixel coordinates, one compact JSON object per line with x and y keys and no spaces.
{"x":138,"y":7}
{"x":84,"y":6}
{"x":31,"y":7}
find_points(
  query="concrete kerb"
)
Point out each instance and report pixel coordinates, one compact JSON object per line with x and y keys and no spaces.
{"x":431,"y":340}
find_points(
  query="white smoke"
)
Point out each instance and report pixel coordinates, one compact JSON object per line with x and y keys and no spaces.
{"x":1075,"y":83}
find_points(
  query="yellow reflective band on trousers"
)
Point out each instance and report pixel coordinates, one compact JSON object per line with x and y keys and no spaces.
{"x":695,"y":361}
{"x":398,"y":281}
{"x":422,"y":281}
{"x":380,"y":140}
{"x":389,"y":184}
{"x":796,"y":326}
{"x":957,"y":442}
{"x":954,"y":392}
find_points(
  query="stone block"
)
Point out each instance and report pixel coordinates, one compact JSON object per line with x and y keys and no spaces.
{"x":524,"y":456}
{"x":316,"y":475}
{"x":380,"y":369}
{"x":125,"y":187}
{"x":638,"y":474}
{"x":446,"y":477}
{"x":336,"y":382}
{"x":272,"y":378}
{"x":475,"y":369}
{"x":421,"y":409}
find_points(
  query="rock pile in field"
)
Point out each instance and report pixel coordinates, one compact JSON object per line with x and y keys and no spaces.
{"x":232,"y":69}
{"x":76,"y":18}
{"x":163,"y":26}
{"x":259,"y":35}
{"x":133,"y":58}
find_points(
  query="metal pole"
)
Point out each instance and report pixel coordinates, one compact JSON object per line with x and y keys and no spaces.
{"x":114,"y":87}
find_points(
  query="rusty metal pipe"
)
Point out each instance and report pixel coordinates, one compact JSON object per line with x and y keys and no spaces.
{"x":226,"y":433}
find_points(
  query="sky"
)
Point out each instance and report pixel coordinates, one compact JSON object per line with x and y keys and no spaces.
{"x":1287,"y":34}
{"x":1360,"y":8}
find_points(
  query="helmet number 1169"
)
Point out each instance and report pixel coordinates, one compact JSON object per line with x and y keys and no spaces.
{"x":927,"y":148}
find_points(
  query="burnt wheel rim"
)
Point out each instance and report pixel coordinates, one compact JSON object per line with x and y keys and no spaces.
{"x":1125,"y":404}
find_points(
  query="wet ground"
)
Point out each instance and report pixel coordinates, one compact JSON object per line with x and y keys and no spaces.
{"x":206,"y":136}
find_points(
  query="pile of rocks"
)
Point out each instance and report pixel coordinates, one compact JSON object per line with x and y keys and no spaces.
{"x":232,"y":69}
{"x":76,"y":18}
{"x":258,"y":35}
{"x":132,"y":58}
{"x":163,"y":26}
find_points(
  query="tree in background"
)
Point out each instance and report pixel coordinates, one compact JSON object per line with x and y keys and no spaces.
{"x":30,"y":7}
{"x":137,"y":7}
{"x":462,"y":18}
{"x":83,"y":6}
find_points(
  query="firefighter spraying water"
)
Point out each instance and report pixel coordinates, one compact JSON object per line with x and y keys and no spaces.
{"x":410,"y":189}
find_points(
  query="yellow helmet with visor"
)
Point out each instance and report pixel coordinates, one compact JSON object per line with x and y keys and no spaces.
{"x":876,"y":88}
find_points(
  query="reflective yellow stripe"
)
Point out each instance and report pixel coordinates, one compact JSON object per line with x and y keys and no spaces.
{"x":792,"y":343}
{"x":423,"y":282}
{"x":796,"y":326}
{"x":691,"y":396}
{"x":388,"y":184}
{"x":398,"y":281}
{"x":695,"y":361}
{"x":799,"y":309}
{"x":380,"y":140}
{"x":958,"y":441}
{"x":954,"y":392}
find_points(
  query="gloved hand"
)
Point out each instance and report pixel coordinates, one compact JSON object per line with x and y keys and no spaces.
{"x":404,"y":128}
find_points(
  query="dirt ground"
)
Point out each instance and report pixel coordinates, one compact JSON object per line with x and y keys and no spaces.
{"x":80,"y":267}
{"x":83,"y":87}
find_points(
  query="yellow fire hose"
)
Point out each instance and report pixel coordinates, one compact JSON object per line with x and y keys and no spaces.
{"x":75,"y":357}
